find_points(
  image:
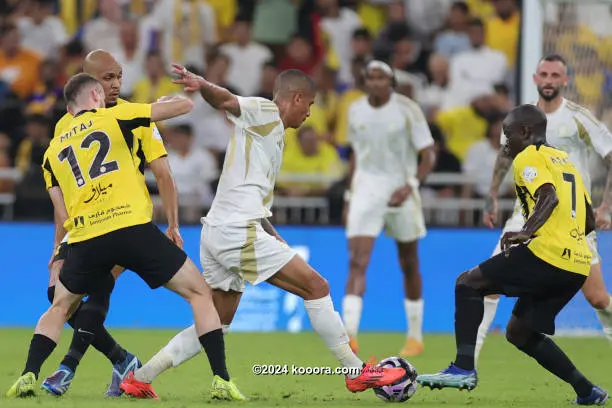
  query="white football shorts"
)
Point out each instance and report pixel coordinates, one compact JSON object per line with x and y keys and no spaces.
{"x":233,"y":254}
{"x":517,"y":221}
{"x":369,"y":215}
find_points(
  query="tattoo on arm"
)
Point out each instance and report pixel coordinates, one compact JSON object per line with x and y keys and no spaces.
{"x":546,"y":201}
{"x":502,"y":165}
{"x":607,"y":196}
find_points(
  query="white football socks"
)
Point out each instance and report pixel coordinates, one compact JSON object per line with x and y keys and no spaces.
{"x":327,"y":323}
{"x":605,"y":317}
{"x":351,"y":311}
{"x":490,"y":308}
{"x":414,"y":317}
{"x":179,"y":349}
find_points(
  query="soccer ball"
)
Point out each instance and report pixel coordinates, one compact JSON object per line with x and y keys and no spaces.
{"x":404,"y":388}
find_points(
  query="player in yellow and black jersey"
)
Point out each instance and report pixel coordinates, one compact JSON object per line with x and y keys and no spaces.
{"x":544,"y":265}
{"x":92,"y":177}
{"x":148,"y":147}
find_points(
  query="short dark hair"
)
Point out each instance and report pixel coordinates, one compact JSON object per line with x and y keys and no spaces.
{"x":75,"y":85}
{"x":362,"y":34}
{"x":39,"y":119}
{"x":184,"y":128}
{"x":461,"y":6}
{"x":293,"y":80}
{"x":554,"y":58}
{"x":476,"y":22}
{"x":530,"y":116}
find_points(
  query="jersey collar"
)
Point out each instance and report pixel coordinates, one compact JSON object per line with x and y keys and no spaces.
{"x":79,"y":113}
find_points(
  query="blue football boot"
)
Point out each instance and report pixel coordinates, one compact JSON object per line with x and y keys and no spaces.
{"x":57,"y":383}
{"x":452,"y":377}
{"x":597,"y":397}
{"x":120,"y":371}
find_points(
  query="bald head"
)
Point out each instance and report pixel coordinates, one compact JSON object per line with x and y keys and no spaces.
{"x":104,"y":67}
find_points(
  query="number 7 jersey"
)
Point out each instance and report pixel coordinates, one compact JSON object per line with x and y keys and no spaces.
{"x":561,"y":241}
{"x":92,"y":160}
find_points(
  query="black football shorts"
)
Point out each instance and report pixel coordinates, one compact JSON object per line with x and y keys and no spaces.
{"x":143,"y":249}
{"x":541,"y":288}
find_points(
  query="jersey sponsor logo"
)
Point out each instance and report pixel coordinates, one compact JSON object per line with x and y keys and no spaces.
{"x":529,"y":174}
{"x":98,"y":192}
{"x":577,"y":235}
{"x":567,"y":253}
{"x":79,"y":222}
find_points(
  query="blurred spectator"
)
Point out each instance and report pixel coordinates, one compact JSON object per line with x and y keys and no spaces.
{"x":275,"y":21}
{"x":48,"y":92}
{"x":6,"y":186}
{"x":218,"y":70}
{"x":480,"y":161}
{"x":361,"y":43}
{"x":410,"y":56}
{"x":482,"y":9}
{"x":347,"y":98}
{"x":339,"y":24}
{"x":475,"y":71}
{"x":465,"y":125}
{"x":75,"y":13}
{"x":41,"y":31}
{"x":323,"y":112}
{"x":269,"y":73}
{"x":12,"y":9}
{"x":225,"y":12}
{"x":72,"y":58}
{"x":187,"y":29}
{"x":454,"y":39}
{"x":310,"y":157}
{"x":194,"y":170}
{"x":299,"y":55}
{"x":426,"y":17}
{"x":446,"y":162}
{"x":395,"y":29}
{"x":131,"y":57}
{"x":503,"y":29}
{"x":156,"y":83}
{"x":103,"y":31}
{"x":431,"y":98}
{"x":18,"y":66}
{"x":32,"y":148}
{"x":247,"y":59}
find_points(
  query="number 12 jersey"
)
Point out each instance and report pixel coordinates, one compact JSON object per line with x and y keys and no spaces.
{"x":93,"y":159}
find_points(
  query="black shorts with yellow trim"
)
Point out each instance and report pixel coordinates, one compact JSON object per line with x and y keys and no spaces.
{"x":143,"y":249}
{"x":542,"y":289}
{"x":61,"y":252}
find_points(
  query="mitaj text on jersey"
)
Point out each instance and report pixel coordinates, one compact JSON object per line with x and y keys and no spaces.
{"x":75,"y":129}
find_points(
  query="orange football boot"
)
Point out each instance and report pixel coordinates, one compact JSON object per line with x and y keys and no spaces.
{"x":372,"y":376}
{"x":412,"y":348}
{"x":137,"y":389}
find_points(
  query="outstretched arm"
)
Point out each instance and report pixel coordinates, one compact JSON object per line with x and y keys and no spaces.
{"x":216,"y":96}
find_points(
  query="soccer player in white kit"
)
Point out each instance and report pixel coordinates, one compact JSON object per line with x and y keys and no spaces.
{"x":388,"y":132}
{"x":240,"y":245}
{"x":573,"y":129}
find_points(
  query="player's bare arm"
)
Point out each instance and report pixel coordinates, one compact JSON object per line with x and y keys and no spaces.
{"x":216,"y":96}
{"x":502,"y":165}
{"x":167,"y":190}
{"x":170,"y":107}
{"x":546,"y":201}
{"x":60,"y":215}
{"x":269,"y":228}
{"x":602,"y":215}
{"x":428,"y":161}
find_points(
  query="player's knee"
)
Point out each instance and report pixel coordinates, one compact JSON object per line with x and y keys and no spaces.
{"x":358,"y":263}
{"x":409,"y":263}
{"x":61,"y":309}
{"x":517,"y":333}
{"x":463,"y":280}
{"x":317,"y":287}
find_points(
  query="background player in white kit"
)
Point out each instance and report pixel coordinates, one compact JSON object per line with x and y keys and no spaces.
{"x":238,"y":242}
{"x":573,"y":129}
{"x":388,"y":132}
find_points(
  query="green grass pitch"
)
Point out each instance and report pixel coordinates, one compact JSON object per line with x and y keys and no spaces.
{"x":507,"y":377}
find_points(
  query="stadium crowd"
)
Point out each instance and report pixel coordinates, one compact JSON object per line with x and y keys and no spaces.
{"x":457,"y":59}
